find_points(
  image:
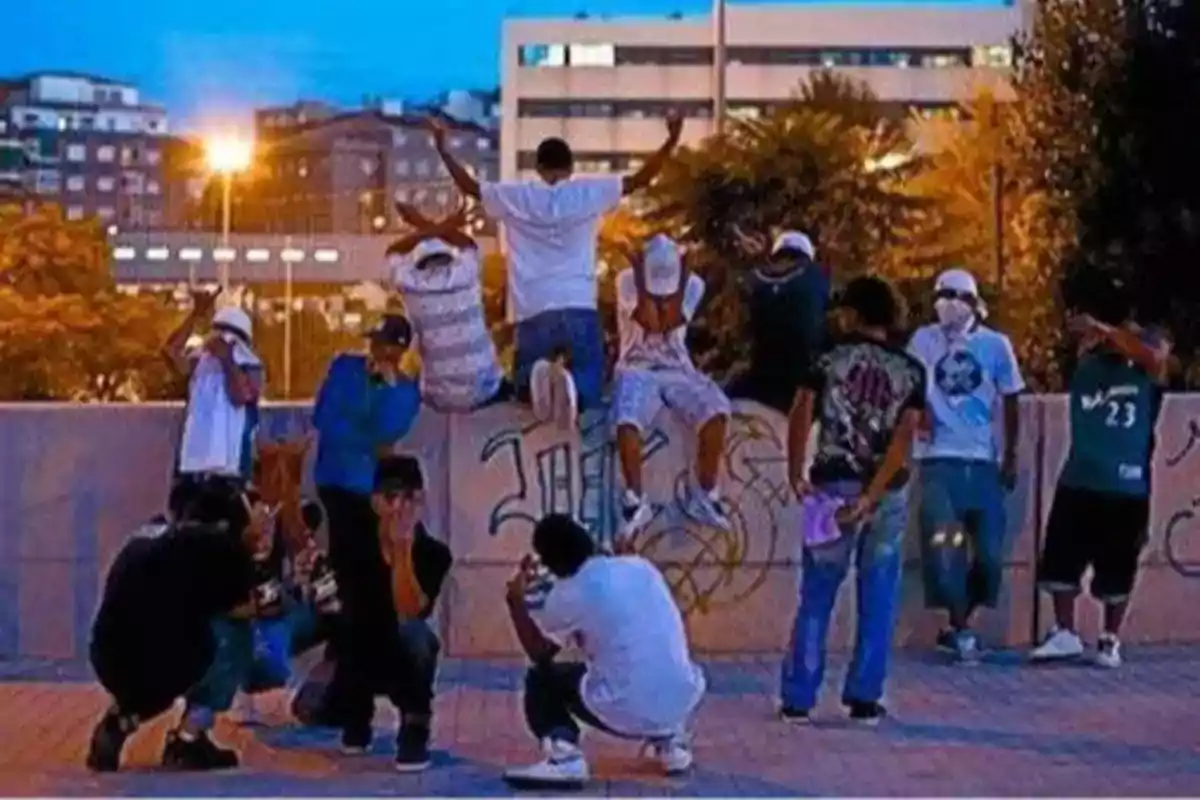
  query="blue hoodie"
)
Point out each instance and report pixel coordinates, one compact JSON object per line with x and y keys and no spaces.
{"x":355,"y":417}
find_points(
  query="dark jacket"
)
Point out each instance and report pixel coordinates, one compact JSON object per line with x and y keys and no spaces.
{"x":431,"y":563}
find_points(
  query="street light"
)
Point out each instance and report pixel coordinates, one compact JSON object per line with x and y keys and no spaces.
{"x":226,"y":156}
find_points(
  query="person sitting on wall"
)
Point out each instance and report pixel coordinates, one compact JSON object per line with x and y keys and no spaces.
{"x":656,"y":300}
{"x":436,"y":271}
{"x":639,"y":681}
{"x":363,"y":407}
{"x":787,"y":299}
{"x":225,"y":379}
{"x":972,"y":375}
{"x":153,"y":639}
{"x":550,"y":224}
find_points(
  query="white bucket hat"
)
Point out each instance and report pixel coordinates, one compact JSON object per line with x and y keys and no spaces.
{"x":963,"y":282}
{"x":664,"y":264}
{"x":235,"y":319}
{"x":794,"y":240}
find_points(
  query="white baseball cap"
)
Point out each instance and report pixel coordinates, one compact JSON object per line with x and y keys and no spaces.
{"x":957,"y":280}
{"x":794,"y":240}
{"x":235,"y":319}
{"x":663,"y":263}
{"x":431,"y":247}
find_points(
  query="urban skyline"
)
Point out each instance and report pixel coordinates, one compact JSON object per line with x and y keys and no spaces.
{"x":211,"y":65}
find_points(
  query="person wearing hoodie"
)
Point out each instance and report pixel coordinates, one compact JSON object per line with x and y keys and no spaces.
{"x":436,"y":271}
{"x":363,"y":407}
{"x":972,"y":375}
{"x":550,"y":225}
{"x":787,"y":299}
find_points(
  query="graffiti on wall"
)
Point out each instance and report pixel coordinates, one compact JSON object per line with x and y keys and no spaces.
{"x":1181,"y":531}
{"x":707,"y":568}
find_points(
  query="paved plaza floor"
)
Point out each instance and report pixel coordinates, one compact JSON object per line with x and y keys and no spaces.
{"x":1002,"y":728}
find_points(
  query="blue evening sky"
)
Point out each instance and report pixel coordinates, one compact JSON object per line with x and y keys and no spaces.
{"x":207,"y":59}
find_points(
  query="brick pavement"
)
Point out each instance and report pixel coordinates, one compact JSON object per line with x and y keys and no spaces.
{"x":1002,"y":728}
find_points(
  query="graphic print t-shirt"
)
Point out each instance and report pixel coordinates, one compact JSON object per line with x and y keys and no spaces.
{"x":862,"y":388}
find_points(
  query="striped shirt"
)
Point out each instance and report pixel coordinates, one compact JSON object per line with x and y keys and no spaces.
{"x":460,"y":370}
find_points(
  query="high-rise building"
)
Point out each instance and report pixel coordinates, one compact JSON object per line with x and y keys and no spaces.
{"x":605,"y":84}
{"x":87,"y":143}
{"x":322,"y":170}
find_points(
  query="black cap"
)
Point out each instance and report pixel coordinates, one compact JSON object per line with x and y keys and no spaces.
{"x":399,"y":473}
{"x":393,"y":329}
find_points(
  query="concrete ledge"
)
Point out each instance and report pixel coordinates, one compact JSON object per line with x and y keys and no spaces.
{"x":75,"y":480}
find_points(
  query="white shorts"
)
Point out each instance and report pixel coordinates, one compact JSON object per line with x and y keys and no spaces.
{"x":641,"y":393}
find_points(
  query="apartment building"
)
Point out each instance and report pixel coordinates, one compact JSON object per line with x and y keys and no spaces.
{"x":324,"y":170}
{"x":86,"y":142}
{"x":604,"y":84}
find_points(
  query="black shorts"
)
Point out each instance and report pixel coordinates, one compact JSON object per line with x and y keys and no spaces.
{"x":1103,"y":530}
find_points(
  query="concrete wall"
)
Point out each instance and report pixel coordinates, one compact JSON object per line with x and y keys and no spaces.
{"x":74,"y":480}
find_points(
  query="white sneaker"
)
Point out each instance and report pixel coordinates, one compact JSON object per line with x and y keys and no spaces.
{"x":566,"y":398}
{"x":541,"y":390}
{"x":674,"y":755}
{"x":1108,"y":651}
{"x":636,"y":513}
{"x":1058,"y":645}
{"x":564,"y":765}
{"x":706,"y":508}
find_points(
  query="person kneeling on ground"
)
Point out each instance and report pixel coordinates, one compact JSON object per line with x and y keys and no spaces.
{"x":436,"y":271}
{"x":152,"y":640}
{"x":656,"y":300}
{"x":639,"y":681}
{"x":403,"y":662}
{"x":868,"y":397}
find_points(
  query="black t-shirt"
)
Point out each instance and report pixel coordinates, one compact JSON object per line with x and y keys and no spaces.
{"x":862,"y":388}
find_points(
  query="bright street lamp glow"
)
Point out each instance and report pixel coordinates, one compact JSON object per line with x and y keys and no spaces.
{"x":227,"y":154}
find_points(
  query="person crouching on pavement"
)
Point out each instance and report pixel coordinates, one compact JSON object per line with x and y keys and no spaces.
{"x":656,"y":300}
{"x":639,"y":681}
{"x":153,"y":639}
{"x":402,"y":594}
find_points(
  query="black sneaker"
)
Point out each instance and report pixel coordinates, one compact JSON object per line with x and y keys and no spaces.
{"x":866,"y":713}
{"x":412,"y":748}
{"x":947,"y":641}
{"x":356,"y":741}
{"x":108,"y":739}
{"x":795,"y":716}
{"x":196,"y":754}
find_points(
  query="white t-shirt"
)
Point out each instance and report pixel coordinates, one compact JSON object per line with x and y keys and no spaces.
{"x":639,"y":348}
{"x":551,"y":235}
{"x":966,"y":378}
{"x":640,"y":678}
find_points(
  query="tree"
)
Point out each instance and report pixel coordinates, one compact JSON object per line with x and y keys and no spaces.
{"x":66,"y":333}
{"x":831,"y":163}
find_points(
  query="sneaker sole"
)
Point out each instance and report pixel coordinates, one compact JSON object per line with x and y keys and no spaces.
{"x":564,"y":407}
{"x":354,"y":751}
{"x":407,"y":769}
{"x":799,"y":722}
{"x":541,"y":392}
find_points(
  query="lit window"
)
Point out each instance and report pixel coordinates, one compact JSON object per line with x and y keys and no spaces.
{"x":152,"y":187}
{"x":326,"y":256}
{"x":423,"y":168}
{"x":105,"y":212}
{"x":292,"y":255}
{"x":76,"y":152}
{"x":542,"y":55}
{"x":402,"y":167}
{"x":106,"y":183}
{"x":124,"y":254}
{"x":258,"y":256}
{"x":76,"y":183}
{"x":106,"y":153}
{"x":191,"y":254}
{"x":592,"y":55}
{"x":224,"y":254}
{"x":399,"y":138}
{"x":158,"y":254}
{"x":153,"y":157}
{"x":75,"y":212}
{"x":1000,"y":56}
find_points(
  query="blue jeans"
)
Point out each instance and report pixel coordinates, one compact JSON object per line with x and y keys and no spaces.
{"x":875,"y":549}
{"x":244,"y":658}
{"x":276,"y":642}
{"x":962,"y":534}
{"x":574,"y":332}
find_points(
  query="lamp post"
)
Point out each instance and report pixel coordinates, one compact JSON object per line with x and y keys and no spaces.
{"x":719,"y":77}
{"x":227,"y":155}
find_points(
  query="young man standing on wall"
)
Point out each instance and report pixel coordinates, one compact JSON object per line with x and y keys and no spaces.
{"x":550,"y":224}
{"x":1101,"y":509}
{"x":972,"y":374}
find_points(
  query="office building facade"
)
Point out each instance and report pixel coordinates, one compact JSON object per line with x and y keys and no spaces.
{"x":605,"y":84}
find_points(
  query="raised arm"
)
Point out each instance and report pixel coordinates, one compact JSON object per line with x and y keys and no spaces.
{"x":173,"y":349}
{"x":1154,"y":359}
{"x":449,"y":230}
{"x":655,"y":163}
{"x":463,"y":179}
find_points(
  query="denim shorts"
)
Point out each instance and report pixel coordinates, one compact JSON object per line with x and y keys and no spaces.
{"x":575,"y":333}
